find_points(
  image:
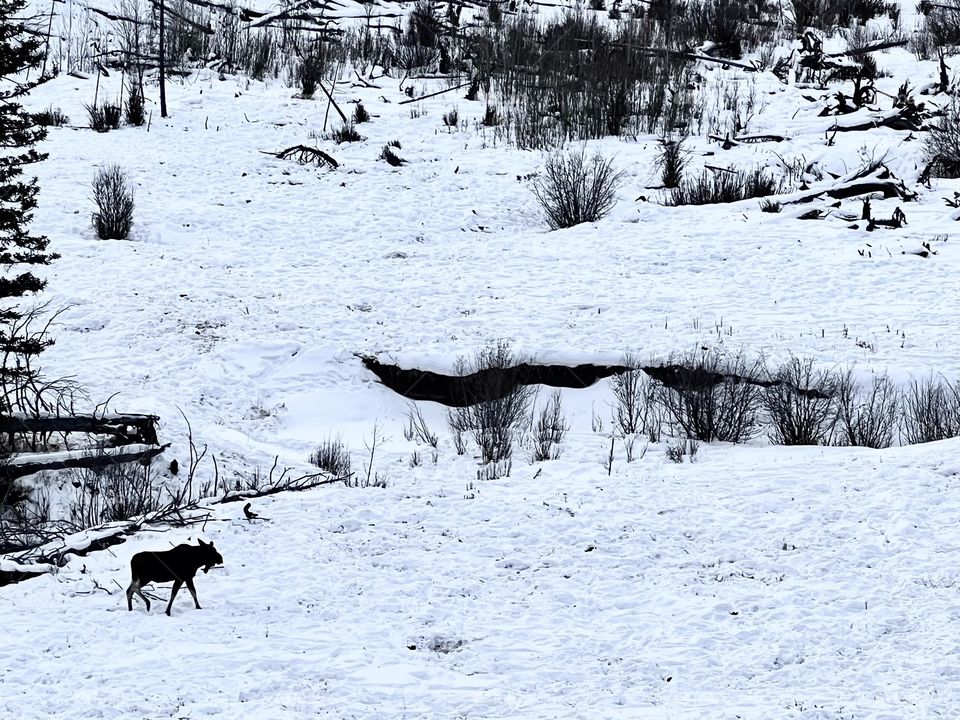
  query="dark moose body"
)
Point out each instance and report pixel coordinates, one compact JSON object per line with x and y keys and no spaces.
{"x":178,"y":565}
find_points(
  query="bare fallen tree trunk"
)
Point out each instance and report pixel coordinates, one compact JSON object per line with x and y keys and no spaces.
{"x":124,"y":428}
{"x":27,"y":464}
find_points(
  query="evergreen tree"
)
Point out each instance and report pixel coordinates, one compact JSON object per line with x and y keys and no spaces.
{"x":20,"y":52}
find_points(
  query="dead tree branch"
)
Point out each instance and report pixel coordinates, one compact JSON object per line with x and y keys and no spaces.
{"x":305,"y":156}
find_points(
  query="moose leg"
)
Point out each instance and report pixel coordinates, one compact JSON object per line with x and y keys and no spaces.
{"x":143,"y":597}
{"x":173,"y":594}
{"x":193,"y":591}
{"x":131,"y":589}
{"x":135,"y":588}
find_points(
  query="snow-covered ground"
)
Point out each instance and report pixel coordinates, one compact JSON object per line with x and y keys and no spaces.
{"x":250,"y":282}
{"x":757,"y":582}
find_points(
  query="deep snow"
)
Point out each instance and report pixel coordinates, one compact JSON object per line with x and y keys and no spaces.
{"x":757,"y":582}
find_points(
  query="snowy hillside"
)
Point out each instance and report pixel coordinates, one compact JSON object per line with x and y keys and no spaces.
{"x":757,"y":581}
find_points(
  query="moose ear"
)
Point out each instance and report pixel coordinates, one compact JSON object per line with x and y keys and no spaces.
{"x":203,"y":543}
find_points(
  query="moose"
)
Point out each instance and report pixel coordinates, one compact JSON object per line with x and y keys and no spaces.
{"x":179,"y":565}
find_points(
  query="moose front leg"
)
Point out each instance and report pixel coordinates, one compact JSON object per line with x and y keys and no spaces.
{"x":173,"y":594}
{"x":193,"y":591}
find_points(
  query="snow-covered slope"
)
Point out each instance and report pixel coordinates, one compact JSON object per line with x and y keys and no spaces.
{"x":754,"y":583}
{"x":250,"y":282}
{"x":757,"y":582}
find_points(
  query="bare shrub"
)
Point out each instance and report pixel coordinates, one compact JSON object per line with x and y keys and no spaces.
{"x":360,"y":114}
{"x":118,"y":491}
{"x":389,"y":155}
{"x":51,"y":117}
{"x":723,"y":22}
{"x":942,"y":21}
{"x":457,"y":435}
{"x":671,"y":159}
{"x":826,"y":14}
{"x":418,"y":429}
{"x":424,"y":25}
{"x":25,"y":521}
{"x":942,"y":144}
{"x":634,"y":396}
{"x":331,"y":455}
{"x":103,"y":117}
{"x":378,"y":480}
{"x":683,"y":448}
{"x":495,"y":470}
{"x":310,"y":72}
{"x":135,"y":110}
{"x":114,"y":198}
{"x":492,"y":408}
{"x":711,"y":398}
{"x":629,"y":445}
{"x":25,"y":516}
{"x":371,"y":478}
{"x":365,"y":46}
{"x":549,"y":430}
{"x":411,"y":58}
{"x":575,"y":190}
{"x":451,"y":118}
{"x":112,"y":115}
{"x":346,"y":133}
{"x":710,"y":188}
{"x":592,"y":78}
{"x":931,"y":411}
{"x":259,"y":53}
{"x":802,"y":405}
{"x":491,"y":116}
{"x":921,"y":43}
{"x":867,"y":416}
{"x":12,"y":492}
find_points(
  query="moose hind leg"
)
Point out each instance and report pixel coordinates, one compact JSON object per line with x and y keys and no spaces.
{"x":143,"y":597}
{"x":193,"y":591}
{"x":131,"y":589}
{"x":173,"y":594}
{"x":135,"y":589}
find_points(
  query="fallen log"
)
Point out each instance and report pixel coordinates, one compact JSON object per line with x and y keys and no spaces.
{"x":898,"y":122}
{"x":245,"y":14}
{"x":205,"y":29}
{"x":871,"y":179}
{"x":46,"y":558}
{"x":434,"y":94}
{"x":125,"y":428}
{"x":305,"y":483}
{"x":116,"y":17}
{"x":883,"y":45}
{"x":17,"y":466}
{"x":12,"y":572}
{"x":887,"y":188}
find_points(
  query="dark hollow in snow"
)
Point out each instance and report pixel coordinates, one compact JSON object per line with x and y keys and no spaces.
{"x":496,"y":383}
{"x":10,"y":577}
{"x":486,"y":384}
